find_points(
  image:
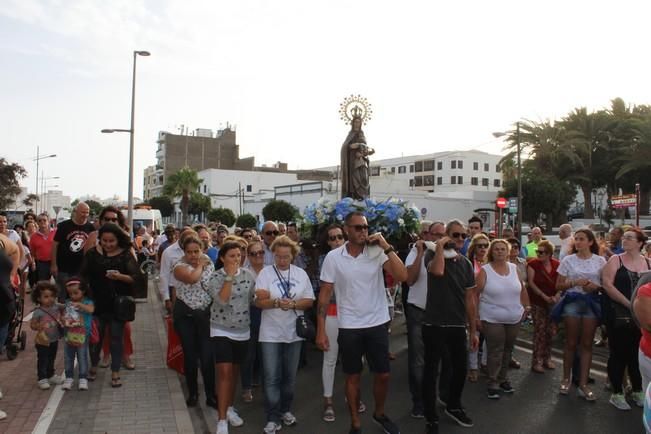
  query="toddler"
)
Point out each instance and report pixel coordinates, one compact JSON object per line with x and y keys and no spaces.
{"x":77,"y":320}
{"x":46,"y":321}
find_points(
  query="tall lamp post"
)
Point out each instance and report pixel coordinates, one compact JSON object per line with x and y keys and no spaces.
{"x":518,"y":174}
{"x":44,"y":187}
{"x":131,"y":132}
{"x":38,"y":158}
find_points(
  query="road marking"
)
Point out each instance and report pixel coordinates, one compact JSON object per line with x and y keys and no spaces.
{"x":45,"y":420}
{"x":598,"y":372}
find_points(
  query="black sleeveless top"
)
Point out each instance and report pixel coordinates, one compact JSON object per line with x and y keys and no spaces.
{"x":626,"y":280}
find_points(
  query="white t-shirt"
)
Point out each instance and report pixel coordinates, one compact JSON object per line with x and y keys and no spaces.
{"x":359,"y":287}
{"x":418,"y":291}
{"x":279,"y":325}
{"x":566,"y":247}
{"x":499,"y":302}
{"x":572,"y":267}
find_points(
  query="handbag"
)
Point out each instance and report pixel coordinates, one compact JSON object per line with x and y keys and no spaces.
{"x":175,"y":358}
{"x":124,"y":308}
{"x":305,"y":327}
{"x":94,"y":332}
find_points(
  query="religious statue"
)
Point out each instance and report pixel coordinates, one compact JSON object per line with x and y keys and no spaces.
{"x":355,"y":165}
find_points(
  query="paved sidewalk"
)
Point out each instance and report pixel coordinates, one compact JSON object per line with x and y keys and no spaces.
{"x":150,"y":399}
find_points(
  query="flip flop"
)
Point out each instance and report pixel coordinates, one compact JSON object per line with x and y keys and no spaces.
{"x":115,"y":382}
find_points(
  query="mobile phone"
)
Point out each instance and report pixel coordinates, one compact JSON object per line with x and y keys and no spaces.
{"x":450,"y":245}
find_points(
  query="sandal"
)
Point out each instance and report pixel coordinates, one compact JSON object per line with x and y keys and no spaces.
{"x":587,"y":394}
{"x":92,"y":374}
{"x":105,"y":363}
{"x":549,"y":365}
{"x":115,"y":382}
{"x":129,"y":364}
{"x":329,"y":413}
{"x":565,"y":387}
{"x":247,"y":396}
{"x":538,"y":368}
{"x":473,"y":375}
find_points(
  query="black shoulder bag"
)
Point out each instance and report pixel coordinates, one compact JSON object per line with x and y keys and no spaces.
{"x":304,"y":327}
{"x":124,"y":306}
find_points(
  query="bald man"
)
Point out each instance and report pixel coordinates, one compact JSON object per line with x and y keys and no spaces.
{"x":68,"y":246}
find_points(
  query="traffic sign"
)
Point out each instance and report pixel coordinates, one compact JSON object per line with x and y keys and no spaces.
{"x":623,"y":201}
{"x":500,"y":202}
{"x":513,"y":204}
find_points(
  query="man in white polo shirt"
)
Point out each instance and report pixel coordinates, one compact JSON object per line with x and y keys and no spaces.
{"x":354,"y":271}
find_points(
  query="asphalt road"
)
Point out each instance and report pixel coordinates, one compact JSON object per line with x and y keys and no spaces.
{"x":535,"y":407}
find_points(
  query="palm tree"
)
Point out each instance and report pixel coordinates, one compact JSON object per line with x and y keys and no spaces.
{"x":182,"y":183}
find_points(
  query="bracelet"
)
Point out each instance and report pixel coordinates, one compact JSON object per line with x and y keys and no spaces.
{"x":276,"y":302}
{"x":389,"y":250}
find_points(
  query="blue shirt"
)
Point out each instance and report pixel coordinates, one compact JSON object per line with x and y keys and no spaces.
{"x":212,"y":253}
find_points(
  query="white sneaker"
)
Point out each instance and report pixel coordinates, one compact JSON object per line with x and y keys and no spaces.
{"x":83,"y":384}
{"x":271,"y":428}
{"x":289,"y":419}
{"x":55,"y":379}
{"x":67,"y":384}
{"x":619,"y":401}
{"x":233,"y":418}
{"x":222,"y":427}
{"x":43,"y":384}
{"x":3,"y":415}
{"x":1,"y":395}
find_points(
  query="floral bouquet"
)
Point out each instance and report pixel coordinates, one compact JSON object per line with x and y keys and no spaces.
{"x":394,"y":218}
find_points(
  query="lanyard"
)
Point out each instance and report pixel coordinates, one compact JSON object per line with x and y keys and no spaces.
{"x":285,"y":284}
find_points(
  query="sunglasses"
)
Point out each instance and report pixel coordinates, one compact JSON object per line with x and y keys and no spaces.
{"x":540,"y":252}
{"x":481,"y":246}
{"x":461,"y":235}
{"x":270,"y":233}
{"x":336,"y":237}
{"x":258,"y":253}
{"x":359,"y":228}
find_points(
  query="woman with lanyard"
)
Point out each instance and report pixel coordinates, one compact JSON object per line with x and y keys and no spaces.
{"x":111,"y":270}
{"x":191,"y":313}
{"x":620,"y":277}
{"x":477,"y":251}
{"x":282,"y":290}
{"x":579,"y":277}
{"x":250,"y":371}
{"x":232,"y":289}
{"x":542,"y":274}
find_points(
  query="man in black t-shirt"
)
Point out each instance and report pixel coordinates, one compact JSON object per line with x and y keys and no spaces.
{"x":68,"y":246}
{"x":450,"y":308}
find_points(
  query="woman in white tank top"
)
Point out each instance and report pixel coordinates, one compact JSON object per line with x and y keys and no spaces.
{"x":503,"y":302}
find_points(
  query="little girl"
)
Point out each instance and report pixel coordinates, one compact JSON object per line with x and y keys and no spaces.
{"x":46,"y":321}
{"x":77,"y":318}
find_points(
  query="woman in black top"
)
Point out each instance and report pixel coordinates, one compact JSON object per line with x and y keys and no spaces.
{"x":620,"y":276}
{"x":111,"y":271}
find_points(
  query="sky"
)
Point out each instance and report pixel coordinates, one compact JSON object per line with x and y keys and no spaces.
{"x":439,"y":75}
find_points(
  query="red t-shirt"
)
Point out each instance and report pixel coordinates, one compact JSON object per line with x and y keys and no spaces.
{"x":645,"y":342}
{"x":41,"y":246}
{"x":545,"y":281}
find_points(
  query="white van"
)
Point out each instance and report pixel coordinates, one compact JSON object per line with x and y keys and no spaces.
{"x":149,"y":218}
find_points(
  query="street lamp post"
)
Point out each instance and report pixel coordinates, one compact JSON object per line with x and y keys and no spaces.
{"x":38,"y":158}
{"x":131,"y":132}
{"x":518,"y":172}
{"x":44,"y":187}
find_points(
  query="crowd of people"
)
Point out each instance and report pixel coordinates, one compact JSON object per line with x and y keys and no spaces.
{"x":244,"y":304}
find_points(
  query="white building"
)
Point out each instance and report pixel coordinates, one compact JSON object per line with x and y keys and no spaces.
{"x":54,"y":202}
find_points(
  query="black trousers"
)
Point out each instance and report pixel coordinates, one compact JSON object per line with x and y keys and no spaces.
{"x":197,"y":351}
{"x":45,"y":357}
{"x":624,"y":342}
{"x":439,"y":341}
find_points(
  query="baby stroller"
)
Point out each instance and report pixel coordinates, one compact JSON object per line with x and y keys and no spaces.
{"x":16,"y":337}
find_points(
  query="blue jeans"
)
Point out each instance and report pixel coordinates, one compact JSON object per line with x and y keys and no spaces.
{"x":415,"y":353}
{"x":69,"y":354}
{"x":279,"y":364}
{"x":250,"y":370}
{"x":117,"y":342}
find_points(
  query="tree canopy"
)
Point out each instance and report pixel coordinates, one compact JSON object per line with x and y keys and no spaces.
{"x":163,"y":204}
{"x":181,"y":184}
{"x":222,"y":215}
{"x":280,"y":211}
{"x":10,"y":176}
{"x":246,"y":221}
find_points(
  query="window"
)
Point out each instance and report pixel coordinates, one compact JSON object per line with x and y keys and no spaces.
{"x":486,"y":165}
{"x":475,"y":166}
{"x":375,"y":170}
{"x":411,"y":182}
{"x":428,"y":165}
{"x":428,"y":180}
{"x":402,"y":169}
{"x":453,"y":180}
{"x":439,"y":165}
{"x":411,"y":168}
{"x":453,"y":164}
{"x":393,"y":170}
{"x":419,"y":166}
{"x":496,"y":183}
{"x":474,"y":180}
{"x":204,"y":188}
{"x":439,"y":180}
{"x":459,"y":180}
{"x":418,"y":181}
{"x":460,"y":164}
{"x":249,"y":188}
{"x":484,"y":182}
{"x":497,"y":168}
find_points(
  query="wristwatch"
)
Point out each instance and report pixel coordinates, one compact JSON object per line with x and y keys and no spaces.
{"x":389,"y":250}
{"x":228,"y":278}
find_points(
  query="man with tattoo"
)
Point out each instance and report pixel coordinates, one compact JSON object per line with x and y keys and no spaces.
{"x":354,"y":271}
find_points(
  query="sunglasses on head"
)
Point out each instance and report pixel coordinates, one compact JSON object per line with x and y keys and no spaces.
{"x":481,"y":246}
{"x":270,"y":233}
{"x":461,"y":235}
{"x":258,"y":253}
{"x":336,"y":237}
{"x":359,"y":228}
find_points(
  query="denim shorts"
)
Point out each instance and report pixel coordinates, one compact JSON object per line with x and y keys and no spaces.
{"x":580,"y":309}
